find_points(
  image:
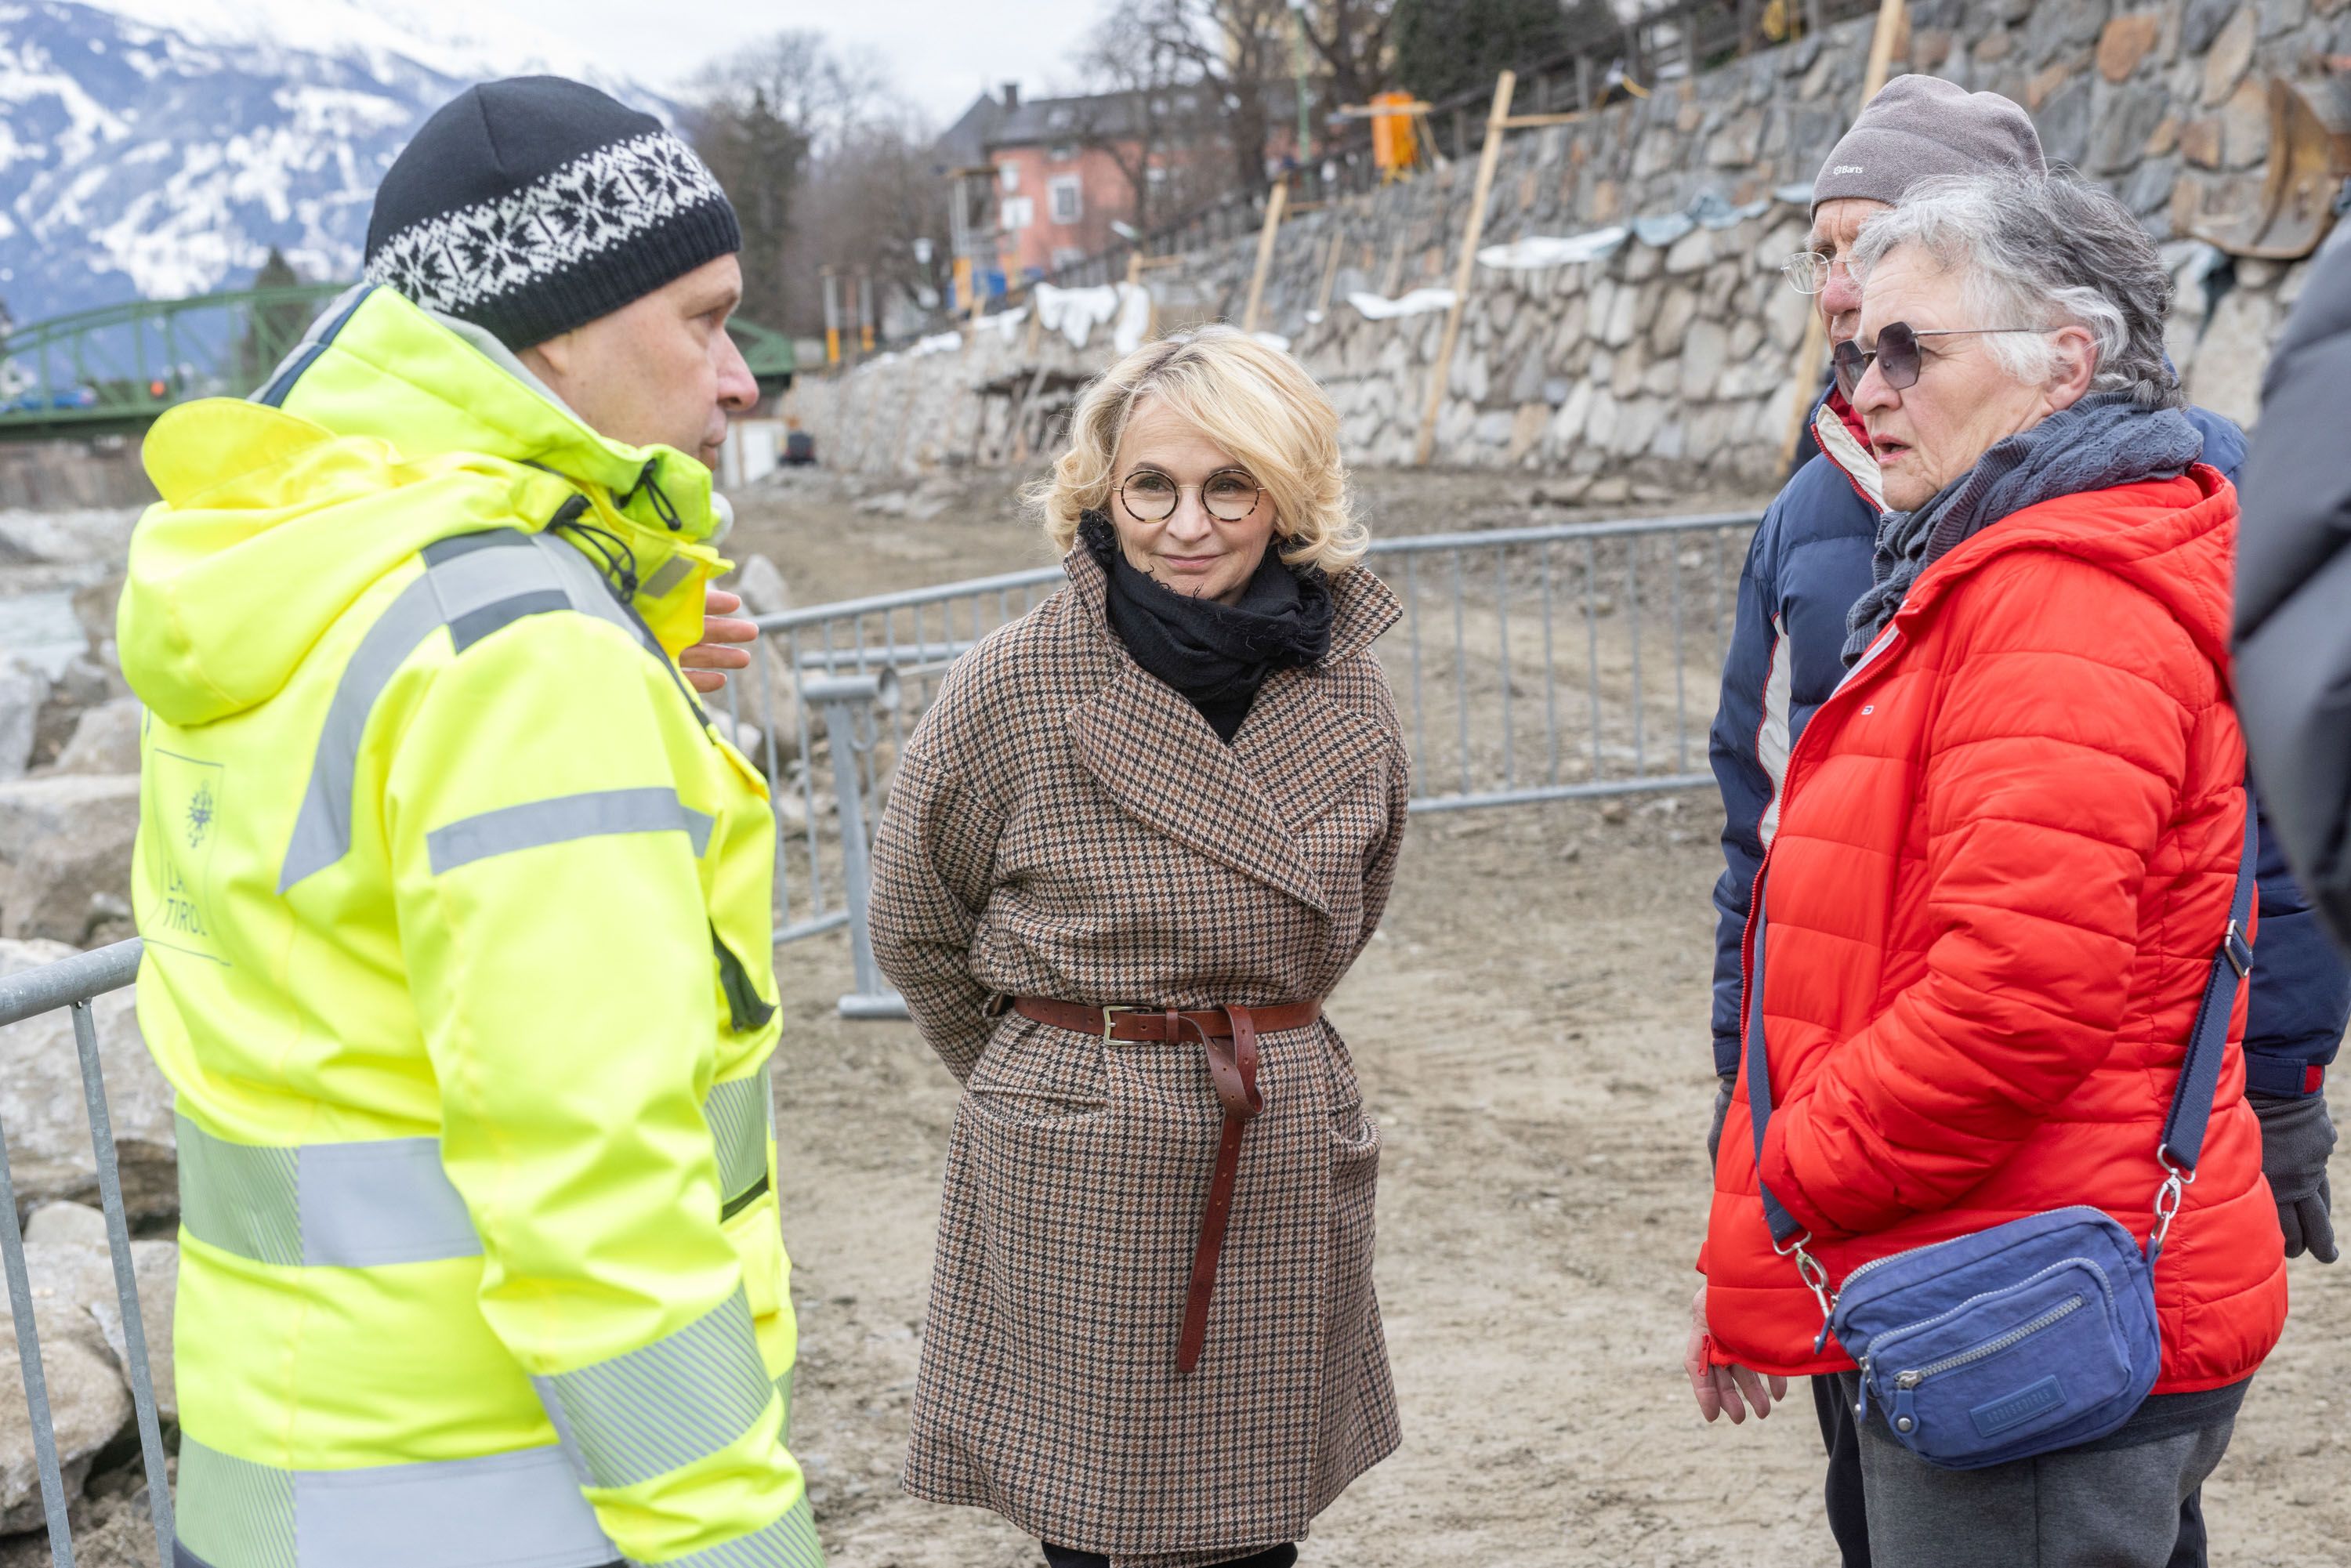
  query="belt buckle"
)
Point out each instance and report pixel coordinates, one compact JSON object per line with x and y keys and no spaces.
{"x":1110,"y":1017}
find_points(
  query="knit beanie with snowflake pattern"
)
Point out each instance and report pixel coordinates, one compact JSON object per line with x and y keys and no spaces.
{"x":534,"y":206}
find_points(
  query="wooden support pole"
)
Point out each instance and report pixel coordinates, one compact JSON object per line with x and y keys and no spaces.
{"x":1275,"y":201}
{"x":1891,"y":19}
{"x":1464,"y":271}
{"x":1330,"y":273}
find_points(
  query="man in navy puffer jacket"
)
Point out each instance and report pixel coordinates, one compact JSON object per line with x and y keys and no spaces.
{"x":1808,"y":563}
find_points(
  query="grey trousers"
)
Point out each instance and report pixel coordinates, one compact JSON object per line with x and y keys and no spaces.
{"x":2106,"y":1508}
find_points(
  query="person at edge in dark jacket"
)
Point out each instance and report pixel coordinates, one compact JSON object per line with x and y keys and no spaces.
{"x":1809,"y":562}
{"x":2294,"y":588}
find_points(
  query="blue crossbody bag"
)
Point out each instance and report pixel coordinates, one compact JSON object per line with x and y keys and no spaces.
{"x":2030,"y":1336}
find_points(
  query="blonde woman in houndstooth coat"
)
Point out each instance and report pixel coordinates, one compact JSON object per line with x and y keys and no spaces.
{"x":1138,"y":838}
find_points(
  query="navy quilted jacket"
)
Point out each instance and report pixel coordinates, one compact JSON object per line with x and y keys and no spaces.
{"x":1808,"y":561}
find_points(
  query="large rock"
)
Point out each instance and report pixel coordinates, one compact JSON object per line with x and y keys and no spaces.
{"x":23,"y":690}
{"x":155,"y":1265}
{"x":94,"y":607}
{"x":2230,"y":381}
{"x":41,"y":1105}
{"x":2231,"y":52}
{"x":761,"y":584}
{"x":90,"y":1402}
{"x":64,"y":854}
{"x":105,"y":739}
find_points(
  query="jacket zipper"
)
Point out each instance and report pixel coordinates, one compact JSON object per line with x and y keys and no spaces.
{"x":2015,"y":1336}
{"x":1878,"y":1345}
{"x":1913,"y":1252}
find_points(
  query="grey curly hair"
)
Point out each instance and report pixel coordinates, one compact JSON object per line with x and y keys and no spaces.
{"x":2041,"y":250}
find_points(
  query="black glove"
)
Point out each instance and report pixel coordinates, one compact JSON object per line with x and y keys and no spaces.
{"x":1721,"y":1109}
{"x":2296,"y":1137}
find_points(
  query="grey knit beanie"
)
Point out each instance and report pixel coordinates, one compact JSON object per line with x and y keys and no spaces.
{"x":1919,"y":127}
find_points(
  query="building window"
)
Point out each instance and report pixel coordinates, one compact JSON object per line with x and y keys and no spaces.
{"x":1068,"y":205}
{"x":1062,"y":153}
{"x":1008,"y":175}
{"x":1019,"y":212}
{"x":1067,"y":256}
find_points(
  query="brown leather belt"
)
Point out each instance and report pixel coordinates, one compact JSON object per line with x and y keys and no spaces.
{"x":1229,"y":1035}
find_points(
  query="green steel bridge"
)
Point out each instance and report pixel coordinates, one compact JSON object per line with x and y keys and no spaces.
{"x":112,"y":370}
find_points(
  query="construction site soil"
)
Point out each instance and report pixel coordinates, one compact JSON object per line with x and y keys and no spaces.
{"x":1531,"y":1026}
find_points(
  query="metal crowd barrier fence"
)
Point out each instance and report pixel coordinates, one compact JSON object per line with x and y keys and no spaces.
{"x":72,"y":983}
{"x":1500,"y":708}
{"x":1534,"y":663}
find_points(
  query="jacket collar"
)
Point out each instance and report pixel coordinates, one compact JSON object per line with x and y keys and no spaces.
{"x":1242,"y":806}
{"x":1839,"y":432}
{"x":375,"y":364}
{"x":2174,"y":540}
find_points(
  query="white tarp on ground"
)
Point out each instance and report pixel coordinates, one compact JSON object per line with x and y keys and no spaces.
{"x":1538,"y":251}
{"x":938,"y":343}
{"x":1375,"y":308}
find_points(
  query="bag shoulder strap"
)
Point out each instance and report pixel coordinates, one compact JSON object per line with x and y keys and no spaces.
{"x":2191,"y":1098}
{"x":2199,"y":1071}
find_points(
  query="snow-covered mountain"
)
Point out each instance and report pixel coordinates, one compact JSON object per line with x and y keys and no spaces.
{"x":158,"y":148}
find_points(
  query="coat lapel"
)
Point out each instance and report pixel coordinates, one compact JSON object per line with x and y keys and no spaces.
{"x":1166,"y":768}
{"x":1242,"y":805}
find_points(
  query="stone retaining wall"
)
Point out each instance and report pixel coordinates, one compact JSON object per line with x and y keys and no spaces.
{"x":1678,"y":348}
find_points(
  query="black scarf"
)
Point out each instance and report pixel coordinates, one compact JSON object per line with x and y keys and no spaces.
{"x":1216,"y":655}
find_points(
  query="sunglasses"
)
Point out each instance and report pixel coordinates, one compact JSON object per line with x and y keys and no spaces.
{"x":1151,"y":498}
{"x":1897,"y":355}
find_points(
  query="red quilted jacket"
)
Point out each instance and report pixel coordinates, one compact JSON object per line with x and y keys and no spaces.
{"x":2003,"y":865}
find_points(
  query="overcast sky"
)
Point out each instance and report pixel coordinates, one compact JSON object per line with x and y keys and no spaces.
{"x":942,"y":53}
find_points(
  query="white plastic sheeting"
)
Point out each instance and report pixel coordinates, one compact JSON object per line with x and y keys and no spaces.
{"x":938,"y":343}
{"x":1546,"y":250}
{"x":1375,"y":308}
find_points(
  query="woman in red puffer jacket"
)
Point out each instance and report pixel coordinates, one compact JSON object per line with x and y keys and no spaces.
{"x":2006,"y":859}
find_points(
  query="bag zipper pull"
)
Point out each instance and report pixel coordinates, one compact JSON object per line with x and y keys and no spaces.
{"x":1906,"y":1411}
{"x":1861,"y":1406}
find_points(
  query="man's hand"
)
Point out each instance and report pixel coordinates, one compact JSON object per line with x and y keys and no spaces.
{"x":1719,"y":1388}
{"x":722,"y":645}
{"x":2296,"y":1138}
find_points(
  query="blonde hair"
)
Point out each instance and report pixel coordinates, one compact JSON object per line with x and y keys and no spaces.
{"x":1250,"y":398}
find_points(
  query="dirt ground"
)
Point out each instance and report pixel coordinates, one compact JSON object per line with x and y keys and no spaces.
{"x":1543,"y":1192}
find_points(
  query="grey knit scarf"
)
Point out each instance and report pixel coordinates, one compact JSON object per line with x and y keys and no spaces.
{"x":2103,"y":440}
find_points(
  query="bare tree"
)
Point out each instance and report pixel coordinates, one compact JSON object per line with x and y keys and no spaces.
{"x":1233,"y":51}
{"x":1350,"y":37}
{"x":826,"y":167}
{"x":1153,"y":115}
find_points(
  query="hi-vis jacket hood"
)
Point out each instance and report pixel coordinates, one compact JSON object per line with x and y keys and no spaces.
{"x":387,"y":429}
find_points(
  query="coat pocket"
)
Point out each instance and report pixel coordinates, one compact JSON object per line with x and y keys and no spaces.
{"x":1031,"y":1073}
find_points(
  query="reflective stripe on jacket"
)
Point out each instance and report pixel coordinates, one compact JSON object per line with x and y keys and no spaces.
{"x":458,"y":924}
{"x":2004,"y":861}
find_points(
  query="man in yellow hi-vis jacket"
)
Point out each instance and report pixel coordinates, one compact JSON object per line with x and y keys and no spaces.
{"x":457,"y":905}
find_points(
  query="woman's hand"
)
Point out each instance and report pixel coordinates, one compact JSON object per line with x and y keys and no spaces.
{"x":721,"y":648}
{"x":1719,"y":1388}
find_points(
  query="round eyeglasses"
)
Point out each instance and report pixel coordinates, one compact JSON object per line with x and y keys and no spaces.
{"x":1150,"y":496}
{"x":1808,"y":271}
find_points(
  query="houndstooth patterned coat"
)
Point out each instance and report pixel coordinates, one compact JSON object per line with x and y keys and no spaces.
{"x":1065,"y":825}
